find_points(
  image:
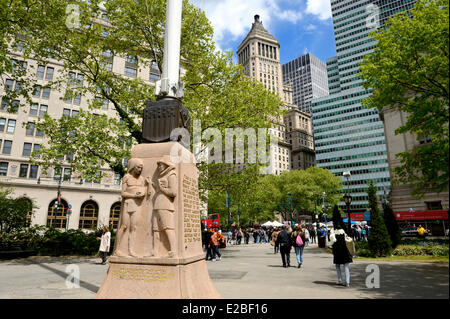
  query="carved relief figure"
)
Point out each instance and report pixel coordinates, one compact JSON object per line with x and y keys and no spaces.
{"x":164,"y":209}
{"x":134,"y":189}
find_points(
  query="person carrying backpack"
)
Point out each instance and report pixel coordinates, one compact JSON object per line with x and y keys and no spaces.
{"x":298,"y":241}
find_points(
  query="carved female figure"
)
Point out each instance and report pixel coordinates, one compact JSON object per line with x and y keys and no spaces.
{"x":134,"y":190}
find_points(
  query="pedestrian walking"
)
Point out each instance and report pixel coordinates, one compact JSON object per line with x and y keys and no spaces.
{"x":312,"y":234}
{"x":307,"y":237}
{"x":229,"y":237}
{"x":208,"y":247}
{"x":105,"y":242}
{"x":298,"y":241}
{"x":341,"y":254}
{"x":239,"y":236}
{"x":214,"y":243}
{"x":276,"y":245}
{"x":284,"y":240}
{"x":246,"y":236}
{"x":255,"y":235}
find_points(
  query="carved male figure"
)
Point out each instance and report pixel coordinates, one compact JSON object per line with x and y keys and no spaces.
{"x":164,"y":209}
{"x":134,"y":189}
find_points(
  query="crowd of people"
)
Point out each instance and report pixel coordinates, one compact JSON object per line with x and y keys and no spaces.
{"x":284,"y":238}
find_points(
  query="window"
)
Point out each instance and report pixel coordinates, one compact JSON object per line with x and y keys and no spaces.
{"x":56,"y":215}
{"x":3,"y":168}
{"x":46,"y":93}
{"x":43,"y":110}
{"x":131,"y":59}
{"x":434,"y":205}
{"x":7,"y":147}
{"x":37,"y":91}
{"x":154,"y":77}
{"x":57,"y":174}
{"x":74,"y":113}
{"x":26,"y":149}
{"x":131,"y":72}
{"x":88,"y":215}
{"x":34,"y":109}
{"x":67,"y":174}
{"x":114,"y":215}
{"x":33,"y":171}
{"x":30,"y":129}
{"x":40,"y":72}
{"x":2,"y":124}
{"x":36,"y":148}
{"x":23,"y":172}
{"x":9,"y":84}
{"x":66,"y":112}
{"x":49,"y":74}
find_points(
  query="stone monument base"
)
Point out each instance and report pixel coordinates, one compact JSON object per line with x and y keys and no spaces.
{"x":157,"y":278}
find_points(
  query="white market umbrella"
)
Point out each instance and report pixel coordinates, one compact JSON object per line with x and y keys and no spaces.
{"x":267,"y":224}
{"x":277,"y":224}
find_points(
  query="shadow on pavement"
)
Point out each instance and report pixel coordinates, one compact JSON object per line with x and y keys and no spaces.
{"x":64,"y":275}
{"x":400,"y":281}
{"x":50,"y":260}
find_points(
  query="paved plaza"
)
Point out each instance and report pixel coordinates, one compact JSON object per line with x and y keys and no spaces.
{"x":246,"y":271}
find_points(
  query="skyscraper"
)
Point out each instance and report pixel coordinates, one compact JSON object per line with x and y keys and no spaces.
{"x":259,"y":53}
{"x":308,"y":76}
{"x":349,"y":137}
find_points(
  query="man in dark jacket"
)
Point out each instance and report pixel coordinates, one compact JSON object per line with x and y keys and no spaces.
{"x":209,"y":248}
{"x":284,"y":242}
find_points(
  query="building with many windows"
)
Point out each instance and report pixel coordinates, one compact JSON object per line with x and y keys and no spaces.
{"x":308,"y":76}
{"x":93,"y":203}
{"x":259,"y":53}
{"x":349,"y":137}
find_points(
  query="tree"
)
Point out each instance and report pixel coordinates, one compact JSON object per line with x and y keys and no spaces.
{"x":379,"y":239}
{"x":337,"y":217}
{"x":14,"y":212}
{"x":391,"y":225}
{"x":216,"y":90}
{"x":409,"y":70}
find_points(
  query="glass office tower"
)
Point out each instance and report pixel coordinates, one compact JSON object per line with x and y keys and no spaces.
{"x":347,"y":136}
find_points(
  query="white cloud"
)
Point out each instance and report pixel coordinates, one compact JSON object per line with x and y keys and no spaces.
{"x":320,"y":8}
{"x":232,"y":19}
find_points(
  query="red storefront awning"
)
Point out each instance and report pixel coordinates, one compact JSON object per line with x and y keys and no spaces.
{"x":422,"y":215}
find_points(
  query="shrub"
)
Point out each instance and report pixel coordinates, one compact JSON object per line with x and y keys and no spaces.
{"x":417,"y":250}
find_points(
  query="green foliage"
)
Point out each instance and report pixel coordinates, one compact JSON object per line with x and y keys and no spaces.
{"x":216,"y":90}
{"x":261,"y":196}
{"x":379,"y":240}
{"x":409,"y":71}
{"x":14,"y":212}
{"x":418,"y":250}
{"x":392,"y":226}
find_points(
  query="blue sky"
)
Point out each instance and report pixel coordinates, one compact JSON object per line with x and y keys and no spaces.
{"x":301,"y":26}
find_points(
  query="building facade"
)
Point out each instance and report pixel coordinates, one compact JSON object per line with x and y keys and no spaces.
{"x":91,"y":203}
{"x":308,"y":76}
{"x":400,"y":198}
{"x":347,"y":136}
{"x":259,"y":53}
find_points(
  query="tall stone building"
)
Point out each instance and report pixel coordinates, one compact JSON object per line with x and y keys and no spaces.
{"x":259,"y":53}
{"x":308,"y":76}
{"x":347,"y":136}
{"x":93,"y":203}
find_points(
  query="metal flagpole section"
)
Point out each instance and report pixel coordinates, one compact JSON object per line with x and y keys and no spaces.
{"x":169,"y":84}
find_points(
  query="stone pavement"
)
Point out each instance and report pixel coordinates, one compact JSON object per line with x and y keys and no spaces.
{"x":246,"y":271}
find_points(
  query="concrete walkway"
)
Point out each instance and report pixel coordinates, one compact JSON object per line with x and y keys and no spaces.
{"x":246,"y":271}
